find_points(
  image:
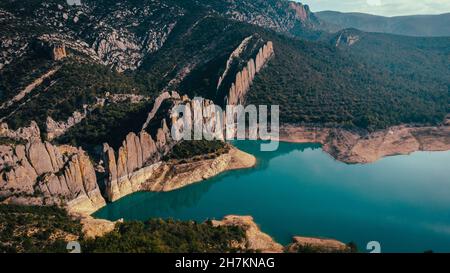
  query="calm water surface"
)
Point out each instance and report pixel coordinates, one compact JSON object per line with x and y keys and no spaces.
{"x":402,"y":201}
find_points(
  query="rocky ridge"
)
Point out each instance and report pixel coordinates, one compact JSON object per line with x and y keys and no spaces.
{"x":244,"y":78}
{"x":44,"y":174}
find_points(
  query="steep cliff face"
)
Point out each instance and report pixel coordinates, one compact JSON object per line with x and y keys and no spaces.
{"x":59,"y":52}
{"x":134,"y":164}
{"x":244,"y":78}
{"x":282,"y":16}
{"x":41,"y":173}
{"x":138,"y":164}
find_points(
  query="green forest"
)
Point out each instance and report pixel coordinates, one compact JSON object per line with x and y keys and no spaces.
{"x":33,"y":229}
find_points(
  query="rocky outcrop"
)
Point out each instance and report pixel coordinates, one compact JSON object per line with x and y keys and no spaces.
{"x":59,"y":52}
{"x":174,"y":175}
{"x":244,"y":78}
{"x":281,"y":16}
{"x":157,"y":104}
{"x":135,"y":162}
{"x":351,"y":147}
{"x":92,"y":227}
{"x":302,"y":12}
{"x":41,"y":173}
{"x":56,"y":129}
{"x":137,"y":166}
{"x":255,"y":239}
{"x":31,"y":132}
{"x":235,"y":54}
{"x":317,"y":245}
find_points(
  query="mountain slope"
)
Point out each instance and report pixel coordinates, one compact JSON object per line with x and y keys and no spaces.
{"x":417,"y":25}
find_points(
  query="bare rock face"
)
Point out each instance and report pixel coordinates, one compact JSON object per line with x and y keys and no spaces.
{"x":316,"y":245}
{"x":59,"y":52}
{"x":31,"y":132}
{"x":255,"y":238}
{"x":136,"y":159}
{"x":175,"y":175}
{"x":92,"y":227}
{"x":351,"y":147}
{"x":60,"y":175}
{"x":235,"y":54}
{"x":244,"y":78}
{"x":301,"y":11}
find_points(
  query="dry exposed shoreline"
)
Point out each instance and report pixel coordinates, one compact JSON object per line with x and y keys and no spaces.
{"x":350,"y":147}
{"x":345,"y":146}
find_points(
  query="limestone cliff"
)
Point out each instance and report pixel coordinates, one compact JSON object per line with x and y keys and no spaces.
{"x":135,"y":162}
{"x":44,"y":174}
{"x":59,"y":52}
{"x":244,"y":78}
{"x":137,"y":165}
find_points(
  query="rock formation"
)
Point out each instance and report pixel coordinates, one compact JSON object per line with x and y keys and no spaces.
{"x":170,"y":176}
{"x":31,"y":132}
{"x":135,"y":162}
{"x":316,"y":245}
{"x":59,"y":52}
{"x":41,"y":173}
{"x":351,"y":147}
{"x":235,"y":54}
{"x":255,"y":239}
{"x":244,"y":78}
{"x":302,"y":12}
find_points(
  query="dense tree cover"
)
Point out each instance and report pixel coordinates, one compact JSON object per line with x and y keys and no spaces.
{"x":15,"y":77}
{"x":36,"y":229}
{"x":378,"y":82}
{"x":48,"y":229}
{"x":109,"y":124}
{"x":73,"y":86}
{"x":189,"y":149}
{"x":316,"y":83}
{"x":321,"y":85}
{"x":170,"y":236}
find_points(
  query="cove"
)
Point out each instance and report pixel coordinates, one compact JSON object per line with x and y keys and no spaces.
{"x":400,"y":201}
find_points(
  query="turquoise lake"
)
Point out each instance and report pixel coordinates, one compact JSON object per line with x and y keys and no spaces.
{"x":403,"y":202}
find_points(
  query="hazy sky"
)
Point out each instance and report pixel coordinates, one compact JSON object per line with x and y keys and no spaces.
{"x":382,"y":7}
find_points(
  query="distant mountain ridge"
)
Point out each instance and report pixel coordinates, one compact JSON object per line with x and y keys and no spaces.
{"x":414,"y":25}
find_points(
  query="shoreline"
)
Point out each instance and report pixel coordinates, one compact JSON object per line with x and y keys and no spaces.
{"x":344,"y":146}
{"x":353,"y":148}
{"x":169,"y":176}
